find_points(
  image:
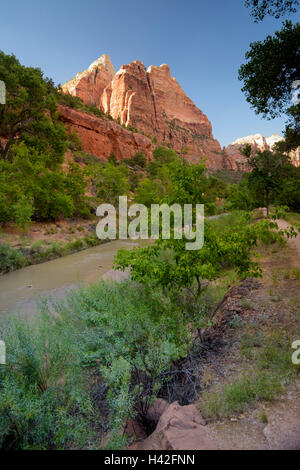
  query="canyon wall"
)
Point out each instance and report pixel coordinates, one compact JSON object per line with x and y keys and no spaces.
{"x":151,"y":101}
{"x":101,"y":137}
{"x":90,"y":84}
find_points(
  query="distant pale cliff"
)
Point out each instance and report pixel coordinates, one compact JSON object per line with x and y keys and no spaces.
{"x":235,"y":160}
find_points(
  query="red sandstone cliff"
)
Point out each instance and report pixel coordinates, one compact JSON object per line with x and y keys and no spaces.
{"x":153,"y":102}
{"x":90,"y":84}
{"x":100,"y":137}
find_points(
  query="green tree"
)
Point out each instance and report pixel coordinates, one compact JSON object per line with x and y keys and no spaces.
{"x":271,"y":69}
{"x":23,"y":211}
{"x":33,"y":182}
{"x":30,"y":111}
{"x":168,"y":264}
{"x":276,"y":8}
{"x":240,"y":197}
{"x":289,"y":194}
{"x":52,"y":194}
{"x":148,"y":192}
{"x":113,"y":182}
{"x":268,"y":170}
{"x":161,"y":156}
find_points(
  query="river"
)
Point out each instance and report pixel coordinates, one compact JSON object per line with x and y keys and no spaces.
{"x":19,"y":290}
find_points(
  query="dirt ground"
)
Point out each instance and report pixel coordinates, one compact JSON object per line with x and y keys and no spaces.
{"x":272,"y":306}
{"x":62,"y":231}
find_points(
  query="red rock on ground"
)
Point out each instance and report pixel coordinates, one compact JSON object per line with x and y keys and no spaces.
{"x":157,"y":409}
{"x":179,"y":428}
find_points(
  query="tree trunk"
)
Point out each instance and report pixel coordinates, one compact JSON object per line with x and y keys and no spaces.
{"x":267,"y":200}
{"x":199,"y":289}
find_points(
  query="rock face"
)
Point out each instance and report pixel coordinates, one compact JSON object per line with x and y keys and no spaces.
{"x":179,"y":428}
{"x":295,"y":157}
{"x":151,"y":101}
{"x":234,"y":159}
{"x":100,"y":137}
{"x":90,"y":84}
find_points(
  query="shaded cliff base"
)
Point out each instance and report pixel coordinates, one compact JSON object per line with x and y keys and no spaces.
{"x":101,"y":137}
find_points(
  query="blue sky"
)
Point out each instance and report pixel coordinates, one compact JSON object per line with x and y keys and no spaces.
{"x":204,"y":42}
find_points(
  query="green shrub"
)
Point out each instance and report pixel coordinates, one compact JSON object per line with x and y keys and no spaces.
{"x":55,"y":250}
{"x":75,"y":142}
{"x":23,"y":211}
{"x":10,"y":258}
{"x":132,"y":335}
{"x":236,"y":397}
{"x":43,"y":400}
{"x":75,"y":245}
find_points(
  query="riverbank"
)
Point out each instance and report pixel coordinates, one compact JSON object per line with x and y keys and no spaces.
{"x":47,"y":241}
{"x":250,"y":389}
{"x":22,"y":289}
{"x":44,"y":242}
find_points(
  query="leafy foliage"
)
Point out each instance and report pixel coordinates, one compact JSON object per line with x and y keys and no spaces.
{"x":131,"y":334}
{"x":272,"y":67}
{"x":268,"y":169}
{"x":10,"y":258}
{"x":273,"y":179}
{"x":112,"y":182}
{"x":168,"y":264}
{"x":43,"y":401}
{"x":276,"y":8}
{"x":34,"y":184}
{"x":30,"y":111}
{"x":28,"y":183}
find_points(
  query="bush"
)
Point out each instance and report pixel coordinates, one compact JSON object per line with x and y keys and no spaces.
{"x":23,"y":211}
{"x":43,"y":401}
{"x":10,"y":259}
{"x":113,"y":182}
{"x":132,"y":335}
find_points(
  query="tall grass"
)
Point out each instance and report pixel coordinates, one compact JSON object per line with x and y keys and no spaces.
{"x":107,"y":347}
{"x":43,"y":400}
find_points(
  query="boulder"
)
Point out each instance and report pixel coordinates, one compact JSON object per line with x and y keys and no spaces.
{"x":179,"y":428}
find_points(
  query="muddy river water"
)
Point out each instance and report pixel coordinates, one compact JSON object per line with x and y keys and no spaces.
{"x":20,"y":290}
